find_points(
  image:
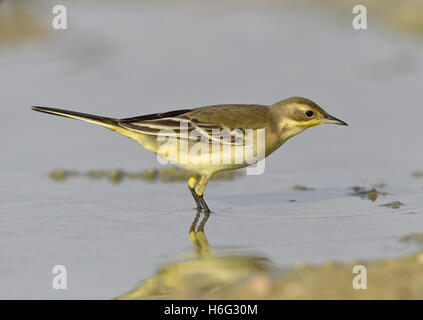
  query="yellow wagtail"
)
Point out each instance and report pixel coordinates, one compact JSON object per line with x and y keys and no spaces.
{"x":196,"y":132}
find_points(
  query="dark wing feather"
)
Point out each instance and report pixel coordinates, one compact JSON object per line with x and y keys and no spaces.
{"x":230,"y":121}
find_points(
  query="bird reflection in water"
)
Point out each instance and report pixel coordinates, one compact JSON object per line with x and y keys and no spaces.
{"x":207,"y":275}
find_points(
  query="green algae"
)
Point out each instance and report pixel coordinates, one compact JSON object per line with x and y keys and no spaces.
{"x":379,"y":185}
{"x":417,"y":174}
{"x":301,"y":188}
{"x":115,"y":176}
{"x":393,"y":204}
{"x":414,"y":236}
{"x":370,"y":194}
{"x":62,"y":174}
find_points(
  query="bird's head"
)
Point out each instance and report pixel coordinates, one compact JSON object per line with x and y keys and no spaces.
{"x":297,"y":114}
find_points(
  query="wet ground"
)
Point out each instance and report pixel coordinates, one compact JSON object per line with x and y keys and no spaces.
{"x":139,"y":58}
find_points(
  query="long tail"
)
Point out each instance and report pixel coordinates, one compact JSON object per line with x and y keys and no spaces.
{"x":108,"y":123}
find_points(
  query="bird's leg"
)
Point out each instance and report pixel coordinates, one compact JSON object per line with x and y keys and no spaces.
{"x":197,"y":235}
{"x":199,"y":190}
{"x":204,"y":204}
{"x":192,"y":231}
{"x":197,"y":199}
{"x":191,"y":184}
{"x":201,"y":236}
{"x":203,"y":247}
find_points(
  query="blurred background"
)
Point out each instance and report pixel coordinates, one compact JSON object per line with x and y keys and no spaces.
{"x":129,"y":58}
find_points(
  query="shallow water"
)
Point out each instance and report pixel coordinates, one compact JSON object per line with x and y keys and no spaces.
{"x":139,"y":58}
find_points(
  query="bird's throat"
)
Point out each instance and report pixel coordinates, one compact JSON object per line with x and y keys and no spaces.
{"x":290,"y":128}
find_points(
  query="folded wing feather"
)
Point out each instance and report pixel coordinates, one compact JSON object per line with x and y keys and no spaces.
{"x":225,"y":124}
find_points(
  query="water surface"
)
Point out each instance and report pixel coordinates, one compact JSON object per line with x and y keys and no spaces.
{"x":124,"y":60}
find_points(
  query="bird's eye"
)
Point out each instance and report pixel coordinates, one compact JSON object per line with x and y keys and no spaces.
{"x":309,"y":113}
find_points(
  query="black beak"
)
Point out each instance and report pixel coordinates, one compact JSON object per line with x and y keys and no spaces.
{"x":333,"y":120}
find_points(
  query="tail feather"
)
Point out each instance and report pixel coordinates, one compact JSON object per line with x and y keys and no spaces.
{"x":109,"y":123}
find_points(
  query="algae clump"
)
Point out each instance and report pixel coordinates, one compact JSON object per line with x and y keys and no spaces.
{"x":301,"y":188}
{"x":371,"y":194}
{"x":115,"y":176}
{"x":393,"y":204}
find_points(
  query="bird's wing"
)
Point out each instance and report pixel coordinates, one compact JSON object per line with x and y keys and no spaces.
{"x":220,"y":123}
